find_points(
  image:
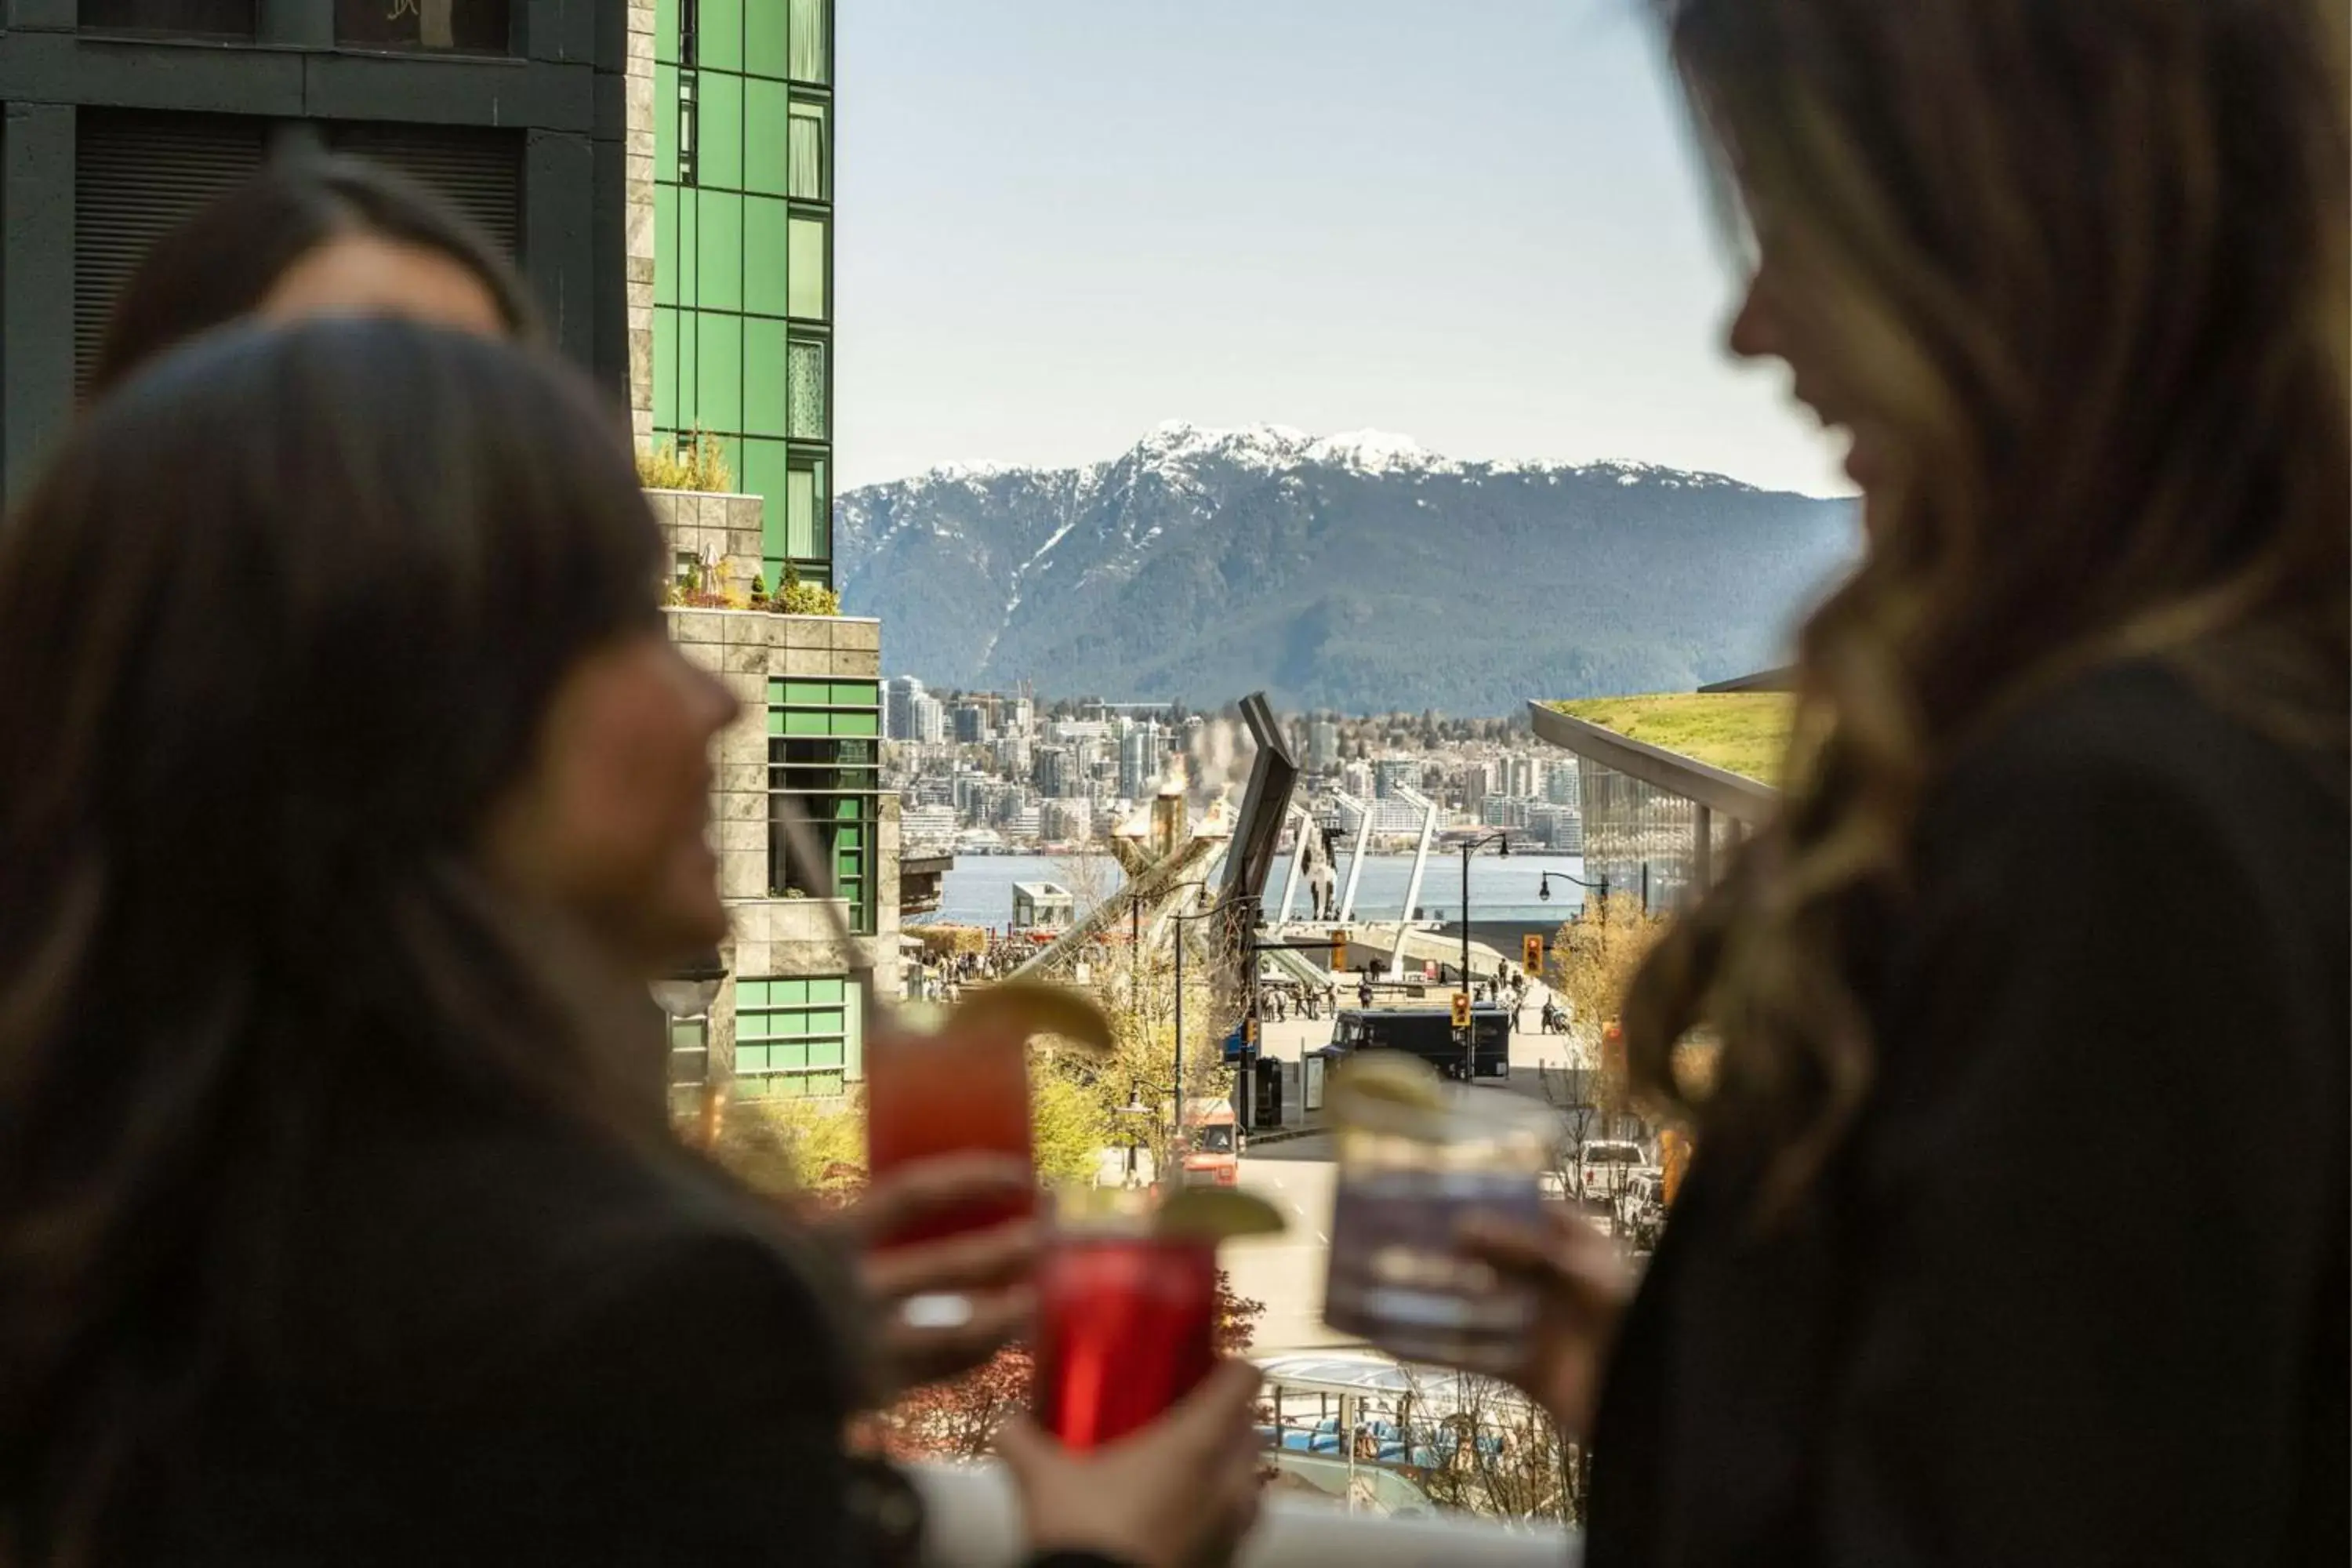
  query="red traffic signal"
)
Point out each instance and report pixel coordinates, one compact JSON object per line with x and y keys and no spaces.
{"x":1531,"y":952}
{"x":1462,"y":1009}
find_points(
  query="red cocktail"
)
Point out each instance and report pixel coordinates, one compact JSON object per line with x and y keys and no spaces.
{"x":965,"y":1090}
{"x":1126,"y":1327}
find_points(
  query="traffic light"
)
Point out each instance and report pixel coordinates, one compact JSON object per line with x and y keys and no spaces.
{"x":1462,"y":1009}
{"x":1340,"y":953}
{"x":1249,"y":1031}
{"x":1531,"y":954}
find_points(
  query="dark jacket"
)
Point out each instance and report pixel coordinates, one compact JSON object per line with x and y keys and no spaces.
{"x":503,"y":1343}
{"x":2075,"y":1291}
{"x":500,"y":1343}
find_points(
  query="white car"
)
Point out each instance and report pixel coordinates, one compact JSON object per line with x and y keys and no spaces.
{"x":1640,"y":1212}
{"x":1604,"y":1170}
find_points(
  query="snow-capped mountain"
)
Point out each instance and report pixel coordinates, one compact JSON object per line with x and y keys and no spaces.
{"x":1356,"y":571}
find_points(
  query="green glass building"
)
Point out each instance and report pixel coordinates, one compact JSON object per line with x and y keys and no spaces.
{"x":743,"y":331}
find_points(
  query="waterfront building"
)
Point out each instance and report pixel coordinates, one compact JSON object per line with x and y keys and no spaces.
{"x":1067,"y":821}
{"x":1668,"y":785}
{"x":1053,"y":772}
{"x":1504,"y":811}
{"x":899,"y":695}
{"x":1140,"y":759}
{"x":928,"y":826}
{"x":1561,"y":827}
{"x":1388,"y":772}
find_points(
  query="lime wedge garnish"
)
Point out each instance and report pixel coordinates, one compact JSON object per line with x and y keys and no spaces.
{"x":1032,"y":1009}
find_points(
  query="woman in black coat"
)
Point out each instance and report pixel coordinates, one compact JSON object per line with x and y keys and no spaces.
{"x":2017,"y":1229}
{"x":351,"y":792}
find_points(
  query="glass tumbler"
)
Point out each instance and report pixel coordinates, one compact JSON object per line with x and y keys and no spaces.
{"x":1408,"y":1176}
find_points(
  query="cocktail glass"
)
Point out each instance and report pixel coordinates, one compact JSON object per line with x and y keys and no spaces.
{"x":1409,"y":1174}
{"x":963,"y":1090}
{"x":1126,"y":1327}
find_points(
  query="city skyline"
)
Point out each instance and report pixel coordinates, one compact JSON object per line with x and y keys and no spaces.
{"x":1079,"y":224}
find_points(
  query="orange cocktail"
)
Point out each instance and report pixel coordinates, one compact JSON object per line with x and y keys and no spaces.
{"x":965,"y":1091}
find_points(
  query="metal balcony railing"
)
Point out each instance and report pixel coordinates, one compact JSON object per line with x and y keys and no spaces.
{"x":972,"y":1523}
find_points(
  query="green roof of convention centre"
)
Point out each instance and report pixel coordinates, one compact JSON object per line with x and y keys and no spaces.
{"x":1741,"y":732}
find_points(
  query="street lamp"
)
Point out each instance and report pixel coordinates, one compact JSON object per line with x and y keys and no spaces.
{"x":1470,"y":1031}
{"x":689,"y":991}
{"x":1543,"y":888}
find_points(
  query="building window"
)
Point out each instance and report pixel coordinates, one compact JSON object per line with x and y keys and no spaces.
{"x":804,"y":388}
{"x":807,"y":175}
{"x":823,"y":739}
{"x":799,"y":532}
{"x":689,"y":129}
{"x":805,"y":295}
{"x":463,"y":26}
{"x":812,"y":40}
{"x":169,"y":18}
{"x":796,"y":1039}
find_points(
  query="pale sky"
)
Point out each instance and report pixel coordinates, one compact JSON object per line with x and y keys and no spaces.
{"x":1479,"y":223}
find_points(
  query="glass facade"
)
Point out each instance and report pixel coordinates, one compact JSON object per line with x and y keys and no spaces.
{"x":743,"y":276}
{"x":1644,"y":839}
{"x":824,"y":756}
{"x":796,"y":1039}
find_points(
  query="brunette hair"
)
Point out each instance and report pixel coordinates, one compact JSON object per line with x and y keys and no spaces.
{"x":2088,"y":263}
{"x":278,"y":626}
{"x":223,"y":262}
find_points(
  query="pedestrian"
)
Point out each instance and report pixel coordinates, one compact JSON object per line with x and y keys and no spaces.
{"x":2072,"y":282}
{"x":343,"y":1224}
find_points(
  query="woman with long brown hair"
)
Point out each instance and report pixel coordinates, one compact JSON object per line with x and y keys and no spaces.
{"x":2017,"y":1230}
{"x":351,"y":790}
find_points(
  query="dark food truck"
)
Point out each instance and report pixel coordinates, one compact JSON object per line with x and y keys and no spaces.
{"x":1428,"y":1033}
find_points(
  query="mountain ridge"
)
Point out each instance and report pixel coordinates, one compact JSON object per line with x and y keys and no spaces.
{"x":1347,"y":570}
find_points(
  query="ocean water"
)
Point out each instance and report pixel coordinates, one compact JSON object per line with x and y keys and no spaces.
{"x":978,"y":890}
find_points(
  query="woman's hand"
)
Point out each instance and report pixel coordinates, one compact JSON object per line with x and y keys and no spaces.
{"x":1584,"y":1287}
{"x":943,"y":1307}
{"x":1180,"y":1493}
